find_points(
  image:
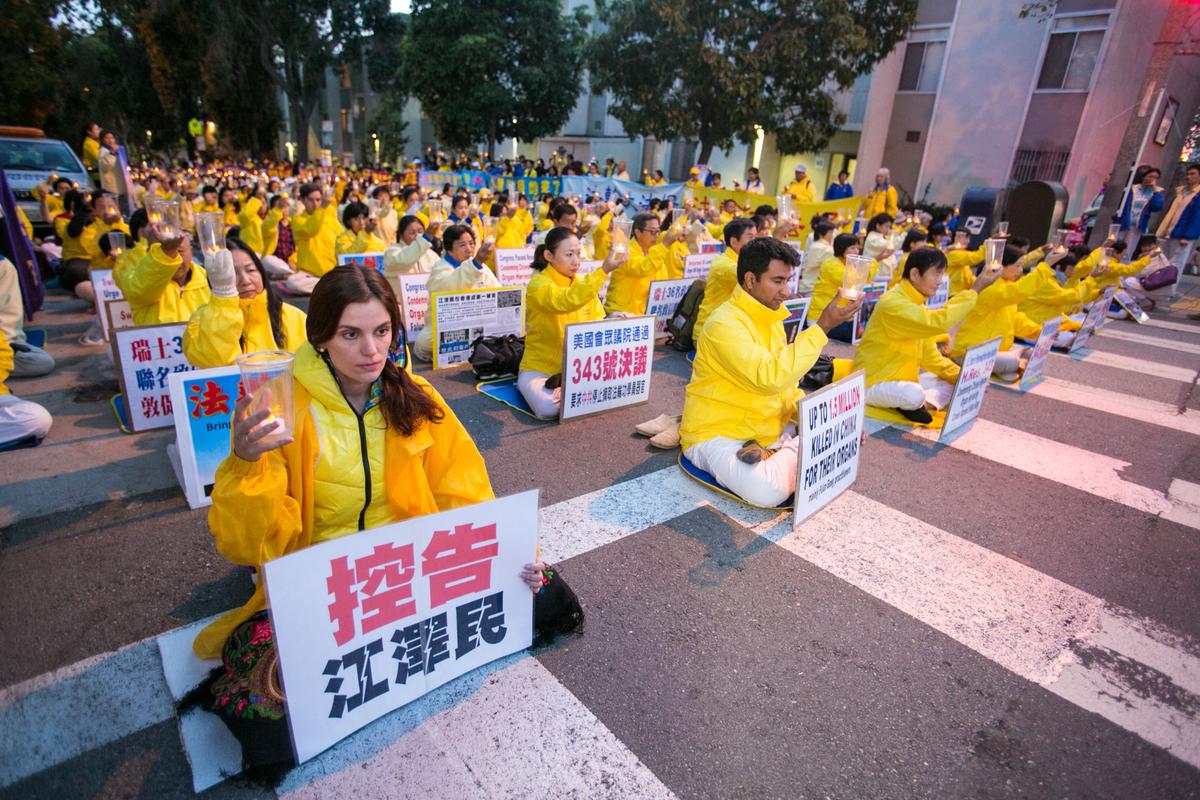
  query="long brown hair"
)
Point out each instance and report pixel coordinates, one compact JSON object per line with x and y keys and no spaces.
{"x":405,"y":405}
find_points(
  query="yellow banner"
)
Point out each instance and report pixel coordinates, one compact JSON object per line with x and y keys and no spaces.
{"x":743,"y":199}
{"x":846,"y":208}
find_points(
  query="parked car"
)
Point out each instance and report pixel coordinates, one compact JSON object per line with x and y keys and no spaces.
{"x":28,"y":158}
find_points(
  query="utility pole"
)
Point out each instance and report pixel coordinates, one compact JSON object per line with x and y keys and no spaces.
{"x":1166,"y":47}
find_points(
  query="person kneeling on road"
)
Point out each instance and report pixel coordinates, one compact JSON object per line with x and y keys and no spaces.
{"x":901,"y":339}
{"x":740,"y":406}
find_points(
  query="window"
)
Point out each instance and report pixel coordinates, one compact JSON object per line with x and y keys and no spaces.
{"x":1040,"y":165}
{"x":922,"y":68}
{"x":1072,"y":53}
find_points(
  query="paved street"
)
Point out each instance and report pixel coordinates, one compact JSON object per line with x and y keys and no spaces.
{"x":1016,"y":615}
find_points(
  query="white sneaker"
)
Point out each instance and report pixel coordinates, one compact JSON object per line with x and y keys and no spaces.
{"x":94,"y":336}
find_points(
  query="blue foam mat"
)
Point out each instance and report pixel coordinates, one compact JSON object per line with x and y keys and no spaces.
{"x":35,"y":337}
{"x":700,"y":476}
{"x":505,"y":391}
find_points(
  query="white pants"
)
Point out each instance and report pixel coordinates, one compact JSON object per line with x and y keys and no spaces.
{"x":1008,"y":362}
{"x":911,"y":395}
{"x":1180,"y":253}
{"x":544,"y":402}
{"x":301,"y":282}
{"x":1159,"y":295}
{"x":767,"y":483}
{"x":422,"y":346}
{"x":276,"y":267}
{"x":22,"y":418}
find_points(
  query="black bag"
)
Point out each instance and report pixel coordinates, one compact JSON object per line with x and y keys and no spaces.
{"x":820,"y":375}
{"x":496,"y":356}
{"x":556,"y":609}
{"x":681,"y":324}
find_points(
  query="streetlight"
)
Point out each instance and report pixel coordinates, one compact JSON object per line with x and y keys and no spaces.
{"x":291,"y":150}
{"x":375,"y":142}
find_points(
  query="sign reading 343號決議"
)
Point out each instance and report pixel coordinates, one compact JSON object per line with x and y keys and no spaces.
{"x":606,"y":364}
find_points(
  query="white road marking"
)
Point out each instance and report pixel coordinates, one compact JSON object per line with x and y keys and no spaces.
{"x":1141,"y":409}
{"x":1153,"y":341}
{"x":1141,"y":366}
{"x":1182,"y":327}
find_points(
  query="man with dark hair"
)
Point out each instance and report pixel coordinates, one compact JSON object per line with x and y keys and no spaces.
{"x":316,"y":232}
{"x":738,"y":415}
{"x":648,"y":258}
{"x":722,"y":275}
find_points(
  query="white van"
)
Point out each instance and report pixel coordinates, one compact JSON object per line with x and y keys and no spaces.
{"x":29,"y":158}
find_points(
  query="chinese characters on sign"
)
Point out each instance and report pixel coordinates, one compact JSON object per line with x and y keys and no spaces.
{"x":459,"y":318}
{"x":663,"y":299}
{"x":369,"y":260}
{"x":367,"y":623}
{"x":203,"y":402}
{"x":606,"y":364}
{"x":146,"y":357}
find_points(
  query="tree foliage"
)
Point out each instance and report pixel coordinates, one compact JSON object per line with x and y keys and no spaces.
{"x":485,"y":70}
{"x":711,"y":70}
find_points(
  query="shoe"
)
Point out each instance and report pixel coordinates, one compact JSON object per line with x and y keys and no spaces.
{"x":916,"y":415}
{"x":1007,"y":377}
{"x":657,"y":425}
{"x":667,"y":439}
{"x":554,"y":382}
{"x":751,"y":453}
{"x":94,"y":336}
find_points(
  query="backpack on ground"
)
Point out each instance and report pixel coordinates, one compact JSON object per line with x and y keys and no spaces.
{"x":682,"y":323}
{"x":496,"y":356}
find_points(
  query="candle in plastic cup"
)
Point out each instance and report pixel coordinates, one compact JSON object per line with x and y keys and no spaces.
{"x":1061,"y":238}
{"x":994,"y":249}
{"x":962,"y":238}
{"x":489,"y":229}
{"x":266,"y":377}
{"x":210,"y":230}
{"x":116,"y":243}
{"x":1002,"y":228}
{"x":854,"y":278}
{"x":1105,"y":256}
{"x":166,"y":214}
{"x":1114,"y":230}
{"x":622,"y":230}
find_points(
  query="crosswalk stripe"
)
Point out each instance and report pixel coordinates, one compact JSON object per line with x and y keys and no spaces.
{"x":1152,"y":368}
{"x":1109,"y":332}
{"x":1154,"y":412}
{"x":1166,"y":325}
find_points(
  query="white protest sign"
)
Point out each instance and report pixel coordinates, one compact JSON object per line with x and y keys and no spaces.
{"x":587,"y":268}
{"x":1126,"y":301}
{"x":606,"y":364}
{"x":662,"y":300}
{"x":831,"y":428}
{"x":697,"y":267}
{"x":414,"y":301}
{"x":202,"y":405}
{"x":1036,"y":364}
{"x":107,"y":292}
{"x":513,"y":265}
{"x":1095,"y":312}
{"x":941,"y":296}
{"x":365,"y":624}
{"x":146,"y":357}
{"x":119,"y":315}
{"x":460,"y":318}
{"x":797,"y":310}
{"x":971,"y":385}
{"x":370,"y":260}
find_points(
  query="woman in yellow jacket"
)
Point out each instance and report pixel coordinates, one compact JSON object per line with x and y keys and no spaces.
{"x":165,"y":286}
{"x":250,"y":223}
{"x":555,"y":298}
{"x":359,"y":234}
{"x":996,"y":314}
{"x":1056,"y":290}
{"x":372,"y":446}
{"x":833,"y":272}
{"x":882,"y":197}
{"x":647,"y":258}
{"x":244,"y":314}
{"x":905,"y":371}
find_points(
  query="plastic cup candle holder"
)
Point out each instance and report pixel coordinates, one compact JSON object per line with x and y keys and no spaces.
{"x":210,"y":230}
{"x":854,"y":278}
{"x":164,"y":213}
{"x":1002,"y":228}
{"x":994,"y":250}
{"x":266,"y":377}
{"x":116,"y":243}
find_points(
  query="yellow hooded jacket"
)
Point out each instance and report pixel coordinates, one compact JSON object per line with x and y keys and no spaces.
{"x":316,"y":240}
{"x":350,"y":243}
{"x":554,"y":301}
{"x":745,"y":381}
{"x":829,"y":280}
{"x":226,"y":327}
{"x":960,"y":267}
{"x":718,"y":287}
{"x":250,"y":224}
{"x":154,"y":296}
{"x":995,"y":314}
{"x":901,"y":335}
{"x":630,"y":285}
{"x":289,"y":498}
{"x":1048,"y":299}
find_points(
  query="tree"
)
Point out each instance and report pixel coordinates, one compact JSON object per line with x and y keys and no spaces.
{"x":711,"y":70}
{"x":384,"y":61}
{"x":29,"y":48}
{"x":485,"y":71}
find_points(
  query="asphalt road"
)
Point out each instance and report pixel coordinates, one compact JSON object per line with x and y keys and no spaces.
{"x":1017,"y":615}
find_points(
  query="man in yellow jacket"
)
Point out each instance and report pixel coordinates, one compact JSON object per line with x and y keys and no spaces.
{"x":801,"y":189}
{"x":899,"y":351}
{"x":996,"y":314}
{"x":629,"y":286}
{"x":882,"y":197}
{"x":741,"y":403}
{"x":722,"y":275}
{"x":315,"y":232}
{"x":165,"y":286}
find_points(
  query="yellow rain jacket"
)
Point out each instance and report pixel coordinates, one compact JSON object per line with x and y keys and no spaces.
{"x":553,"y":301}
{"x":829,"y":280}
{"x":269,"y":229}
{"x":91,"y":152}
{"x":801,"y":190}
{"x":251,"y":225}
{"x":207,"y":208}
{"x":350,"y":243}
{"x":1117,"y":271}
{"x":154,"y":296}
{"x":6,"y":362}
{"x":630,"y":284}
{"x":231,"y":215}
{"x":961,"y":264}
{"x":602,"y":237}
{"x":131,"y":257}
{"x":677,"y":252}
{"x":722,"y":278}
{"x":901,"y":335}
{"x":226,"y":327}
{"x":316,"y":240}
{"x":995,"y":314}
{"x":880,"y":201}
{"x":90,"y":240}
{"x":1048,"y":299}
{"x":290,"y":498}
{"x":745,"y":381}
{"x":73,"y":247}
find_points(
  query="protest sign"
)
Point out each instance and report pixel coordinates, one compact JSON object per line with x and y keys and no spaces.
{"x":365,"y":624}
{"x":513,"y":265}
{"x":1036,"y":364}
{"x":797,"y":310}
{"x":871,"y":294}
{"x":662,"y":300}
{"x":1135,"y":311}
{"x":146,"y":356}
{"x":108,"y":294}
{"x":638,"y":195}
{"x":1095,"y":312}
{"x":414,"y":301}
{"x":697,"y":267}
{"x":460,"y":318}
{"x":798,"y":270}
{"x":530,"y":187}
{"x":371,"y":260}
{"x":831,"y":429}
{"x":941,"y":296}
{"x":202,"y":405}
{"x":606,"y":365}
{"x":712,"y":247}
{"x":971,"y":386}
